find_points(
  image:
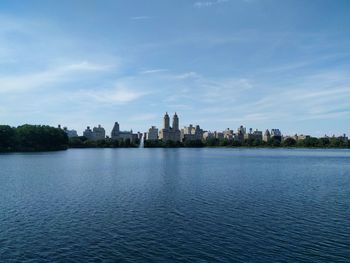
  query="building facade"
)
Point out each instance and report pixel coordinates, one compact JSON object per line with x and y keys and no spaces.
{"x":117,"y":134}
{"x":98,"y":133}
{"x":170,"y":133}
{"x":191,"y":133}
{"x":70,"y":133}
{"x":229,"y":134}
{"x":276,"y":134}
{"x":152,"y":134}
{"x":241,"y":131}
{"x":267,"y":136}
{"x":208,"y":135}
{"x":88,"y":133}
{"x":254,"y":135}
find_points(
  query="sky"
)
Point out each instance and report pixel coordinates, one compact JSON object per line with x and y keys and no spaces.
{"x":217,"y":63}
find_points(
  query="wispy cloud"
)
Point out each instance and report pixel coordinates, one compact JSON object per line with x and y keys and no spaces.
{"x":187,"y":75}
{"x":140,"y":17}
{"x":29,"y":81}
{"x":118,"y":95}
{"x":152,"y":71}
{"x":202,"y":4}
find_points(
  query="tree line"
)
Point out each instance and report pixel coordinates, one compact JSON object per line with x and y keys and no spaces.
{"x":26,"y":138}
{"x":32,"y":138}
{"x":83,"y":142}
{"x":311,"y":142}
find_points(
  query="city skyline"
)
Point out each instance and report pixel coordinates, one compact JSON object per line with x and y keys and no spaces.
{"x":165,"y":131}
{"x":216,"y":63}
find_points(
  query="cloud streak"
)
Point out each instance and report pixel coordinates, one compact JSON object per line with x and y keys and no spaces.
{"x":35,"y":80}
{"x":118,"y":95}
{"x":153,"y":71}
{"x":204,"y":4}
{"x":140,"y":17}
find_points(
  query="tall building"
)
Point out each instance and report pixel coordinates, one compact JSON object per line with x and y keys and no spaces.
{"x":228,"y":134}
{"x":175,"y":122}
{"x":258,"y":135}
{"x":170,"y":133}
{"x":191,"y":133}
{"x":166,"y":121}
{"x":253,"y":135}
{"x":115,"y":131}
{"x":99,"y":133}
{"x":88,"y":133}
{"x":267,"y":136}
{"x":152,"y":134}
{"x":276,"y":134}
{"x":116,"y":134}
{"x":208,"y":135}
{"x":241,"y":131}
{"x":218,"y":135}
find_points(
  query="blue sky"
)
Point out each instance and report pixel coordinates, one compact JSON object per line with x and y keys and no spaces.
{"x":217,"y":63}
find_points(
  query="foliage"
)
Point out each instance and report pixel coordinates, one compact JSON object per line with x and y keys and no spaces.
{"x":193,"y":143}
{"x":273,"y":142}
{"x":82,"y":142}
{"x":289,"y":142}
{"x":7,"y":138}
{"x":32,"y":138}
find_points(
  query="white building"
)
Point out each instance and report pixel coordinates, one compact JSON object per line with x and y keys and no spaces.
{"x":228,"y":134}
{"x":267,"y":136}
{"x":191,"y":133}
{"x":208,"y":135}
{"x":152,"y":134}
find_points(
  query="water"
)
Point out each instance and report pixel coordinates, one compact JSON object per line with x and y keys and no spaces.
{"x":175,"y":205}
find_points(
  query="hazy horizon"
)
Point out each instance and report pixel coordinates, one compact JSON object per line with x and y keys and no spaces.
{"x":217,"y":63}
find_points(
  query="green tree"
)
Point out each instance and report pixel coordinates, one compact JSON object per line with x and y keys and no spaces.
{"x":7,"y":138}
{"x":274,"y":142}
{"x":289,"y":142}
{"x":40,"y":138}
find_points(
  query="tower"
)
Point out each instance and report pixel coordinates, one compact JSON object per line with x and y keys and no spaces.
{"x":115,"y":131}
{"x":166,"y":121}
{"x":267,"y":136}
{"x":175,"y":122}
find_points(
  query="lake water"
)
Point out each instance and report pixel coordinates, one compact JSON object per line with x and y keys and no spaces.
{"x":175,"y":205}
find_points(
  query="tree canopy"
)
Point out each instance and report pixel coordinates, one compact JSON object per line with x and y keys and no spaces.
{"x":32,"y":138}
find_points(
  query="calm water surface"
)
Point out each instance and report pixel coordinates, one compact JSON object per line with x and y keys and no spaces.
{"x":175,"y":205}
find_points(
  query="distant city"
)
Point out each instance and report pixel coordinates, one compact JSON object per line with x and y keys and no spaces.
{"x":188,"y":133}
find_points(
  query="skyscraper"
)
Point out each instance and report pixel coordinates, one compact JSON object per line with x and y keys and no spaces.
{"x":170,"y":133}
{"x":166,"y":121}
